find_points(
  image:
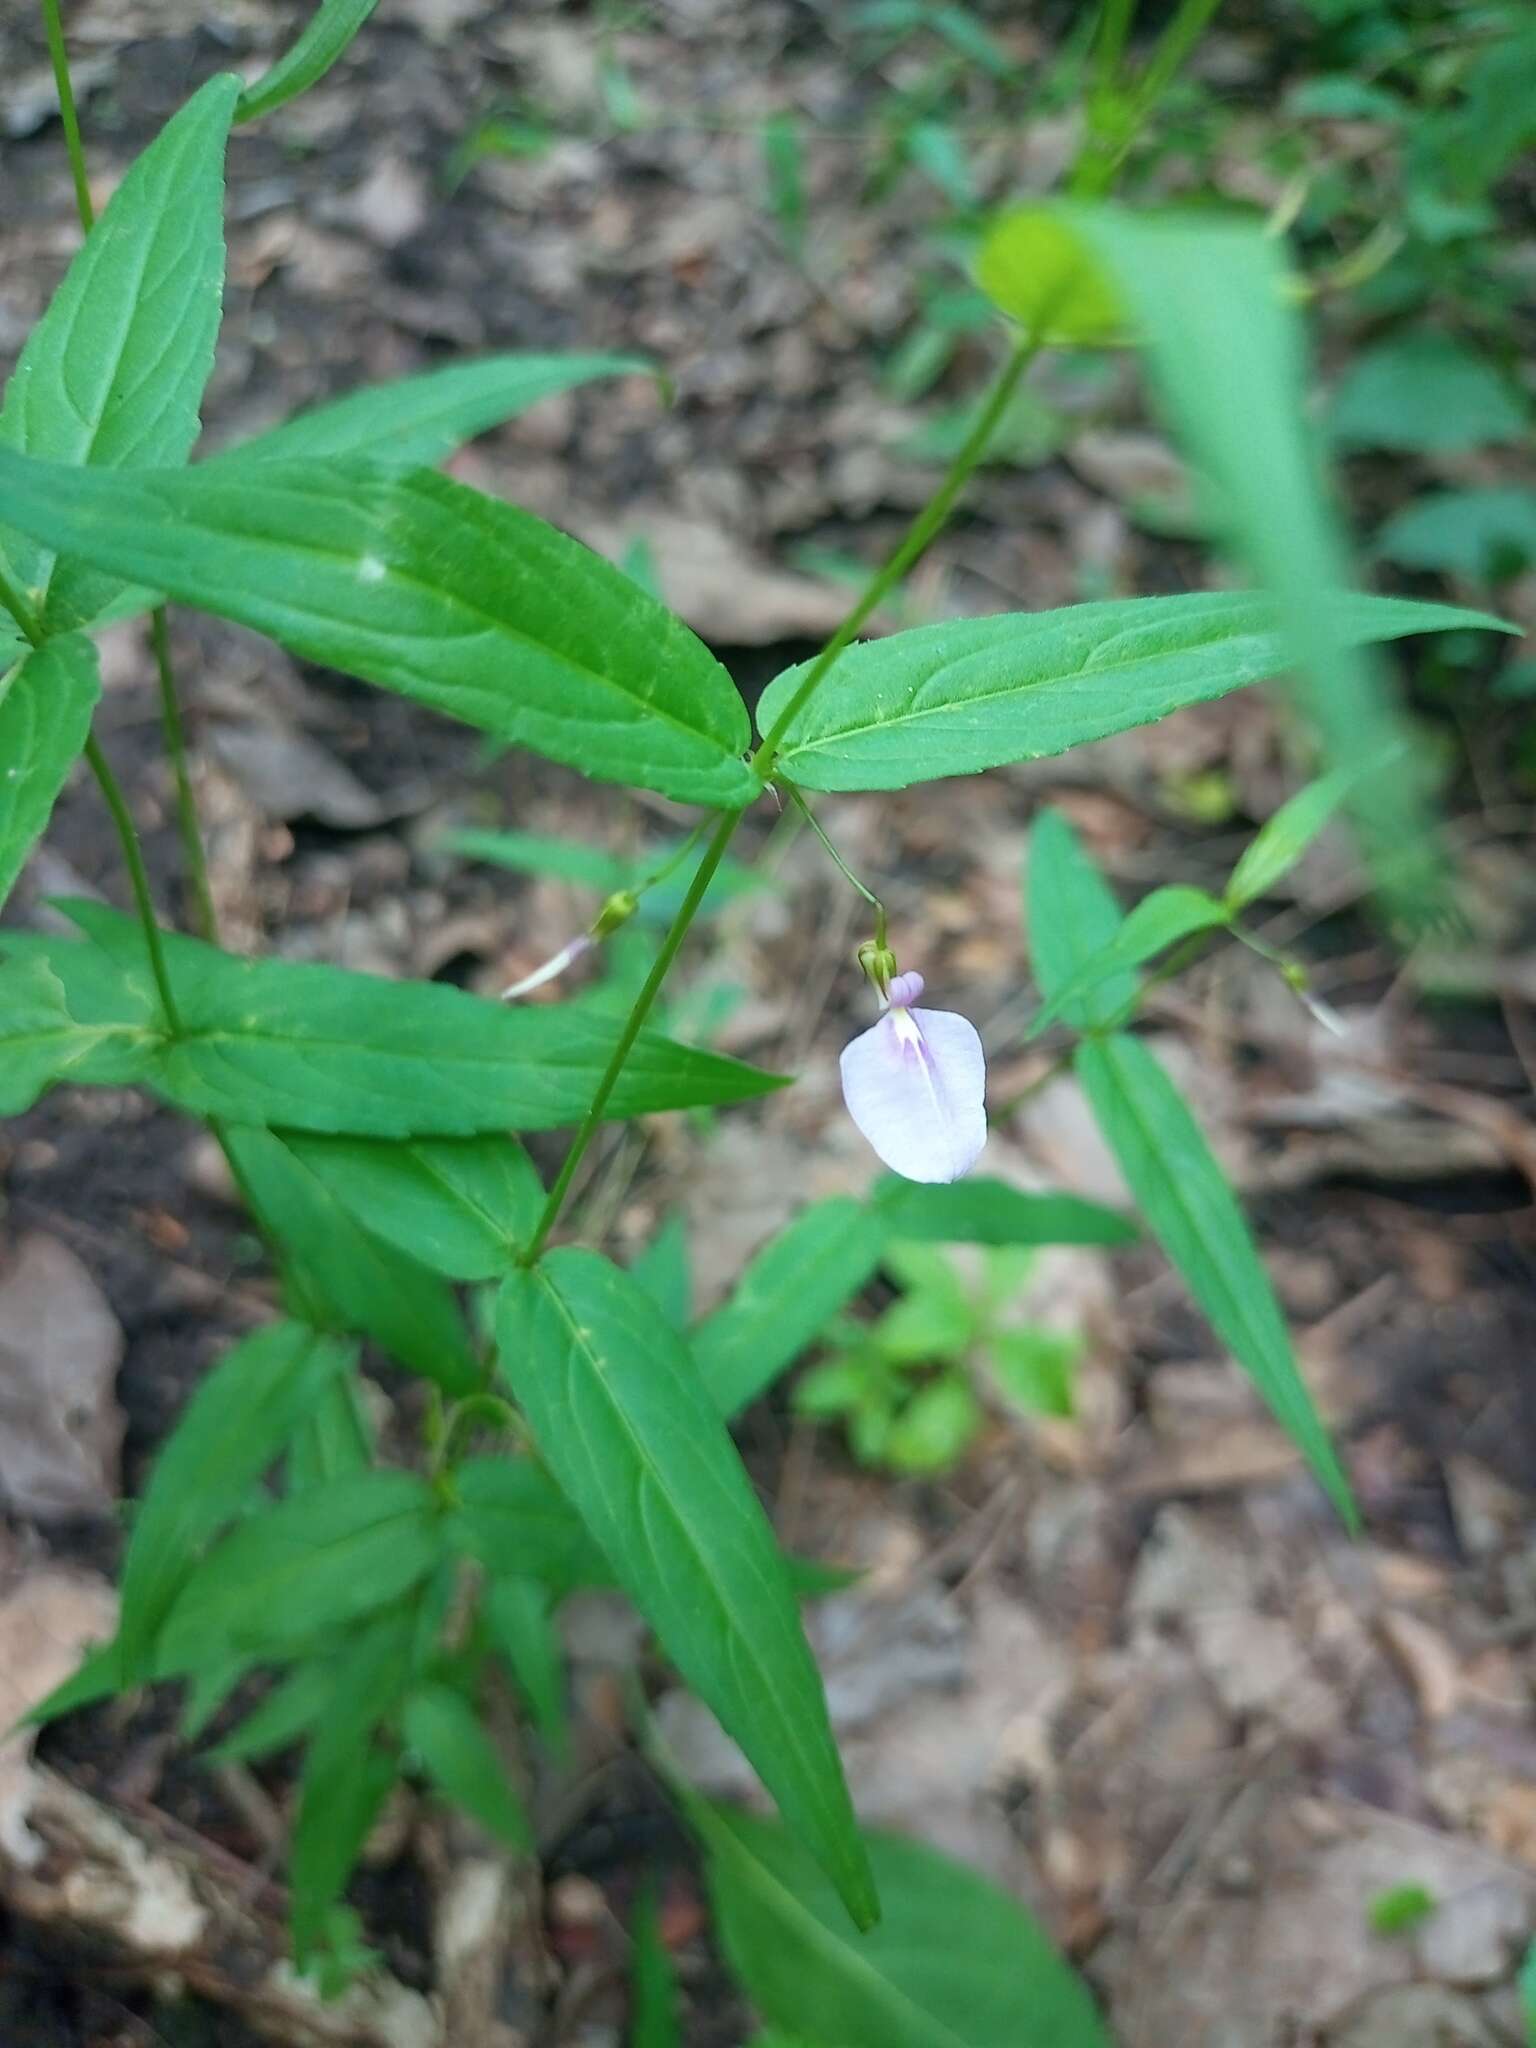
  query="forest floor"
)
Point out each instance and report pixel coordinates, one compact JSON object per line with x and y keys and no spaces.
{"x":1128,"y":1665}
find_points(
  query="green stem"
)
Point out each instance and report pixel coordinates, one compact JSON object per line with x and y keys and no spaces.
{"x":170,"y":710}
{"x":54,"y":27}
{"x":186,"y":803}
{"x":915,"y":540}
{"x":1109,"y":145}
{"x":810,"y":817}
{"x":703,"y":875}
{"x":128,"y":836}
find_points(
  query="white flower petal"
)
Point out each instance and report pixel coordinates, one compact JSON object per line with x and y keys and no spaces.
{"x":915,"y":1084}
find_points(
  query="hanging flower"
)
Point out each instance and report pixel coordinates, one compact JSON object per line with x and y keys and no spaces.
{"x":915,"y":1084}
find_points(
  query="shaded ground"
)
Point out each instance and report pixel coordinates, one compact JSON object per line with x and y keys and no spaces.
{"x":1126,"y":1664}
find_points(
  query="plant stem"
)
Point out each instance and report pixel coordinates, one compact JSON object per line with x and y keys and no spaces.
{"x":1117,"y":125}
{"x":170,"y":708}
{"x":186,"y":803}
{"x":810,"y":817}
{"x":916,"y":538}
{"x":128,"y":836}
{"x":54,"y":28}
{"x":703,"y":875}
{"x":914,"y":541}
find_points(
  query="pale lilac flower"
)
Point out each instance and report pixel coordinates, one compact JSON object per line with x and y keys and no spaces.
{"x":566,"y":957}
{"x":915,"y":1085}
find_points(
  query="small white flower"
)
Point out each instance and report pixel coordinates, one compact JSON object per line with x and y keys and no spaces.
{"x":915,"y":1084}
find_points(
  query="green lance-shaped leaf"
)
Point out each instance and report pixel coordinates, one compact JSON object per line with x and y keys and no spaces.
{"x":462,"y":1206}
{"x":334,"y":1440}
{"x":231,"y":1430}
{"x":665,"y":1271}
{"x":520,"y":1627}
{"x":954,"y":1963}
{"x":783,"y":1300}
{"x":979,"y":1210}
{"x":1072,"y":918}
{"x":456,"y":600}
{"x":620,"y":1412}
{"x":1160,"y":920}
{"x":45,"y":718}
{"x":304,"y":1568}
{"x":311,"y":54}
{"x":440,"y":1726}
{"x":1284,"y":838}
{"x":416,"y":422}
{"x":368,"y":1286}
{"x":1194,"y":1215}
{"x":968,"y":694}
{"x":113,"y":373}
{"x":1210,"y":298}
{"x":274,"y":1042}
{"x":346,"y":1776}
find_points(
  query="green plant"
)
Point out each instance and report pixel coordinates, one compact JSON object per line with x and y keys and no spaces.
{"x":571,"y":1433}
{"x":905,"y":1383}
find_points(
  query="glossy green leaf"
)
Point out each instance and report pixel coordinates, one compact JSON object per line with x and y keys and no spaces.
{"x":419,"y":420}
{"x":618,"y":1408}
{"x":462,"y":1206}
{"x":513,"y":1517}
{"x":456,"y":600}
{"x":954,"y":1963}
{"x":235,"y":1425}
{"x":1426,"y":392}
{"x":979,"y":1210}
{"x":45,"y":718}
{"x":277,"y":1042}
{"x":42,"y":1042}
{"x":663,"y":1270}
{"x":367,"y":1285}
{"x":654,"y":2019}
{"x":521,"y":1629}
{"x":1211,"y":298}
{"x":346,"y":1776}
{"x":306,"y":1567}
{"x":1072,"y":918}
{"x":968,"y":694}
{"x":1194,"y":1215}
{"x":1160,"y":920}
{"x":313,"y":51}
{"x":1282,"y":840}
{"x":113,"y":373}
{"x":440,"y":1726}
{"x":784,"y":1298}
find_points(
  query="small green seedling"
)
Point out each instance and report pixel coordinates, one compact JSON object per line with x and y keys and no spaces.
{"x":908,"y":1385}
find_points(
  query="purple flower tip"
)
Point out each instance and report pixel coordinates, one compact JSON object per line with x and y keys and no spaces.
{"x":915,"y":1084}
